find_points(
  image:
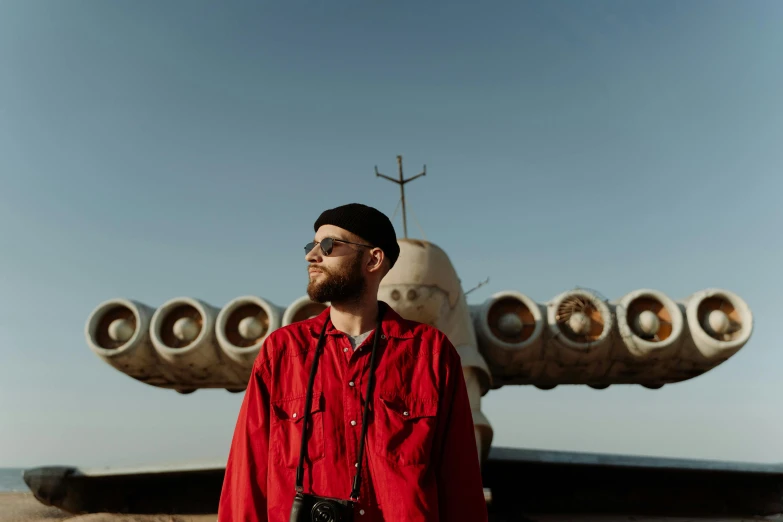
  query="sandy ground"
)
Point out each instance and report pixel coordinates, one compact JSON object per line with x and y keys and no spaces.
{"x":23,"y":507}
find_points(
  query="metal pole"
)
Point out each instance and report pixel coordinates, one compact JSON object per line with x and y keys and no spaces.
{"x":401,"y":182}
{"x":402,"y":197}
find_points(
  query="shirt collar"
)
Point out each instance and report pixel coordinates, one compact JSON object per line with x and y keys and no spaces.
{"x":392,"y":325}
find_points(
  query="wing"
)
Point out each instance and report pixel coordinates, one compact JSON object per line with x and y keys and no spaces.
{"x":519,"y":483}
{"x":547,"y":482}
{"x":177,"y":488}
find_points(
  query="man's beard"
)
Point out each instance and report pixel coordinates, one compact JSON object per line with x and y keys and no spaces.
{"x":347,"y":285}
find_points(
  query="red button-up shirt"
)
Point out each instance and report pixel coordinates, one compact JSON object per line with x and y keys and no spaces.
{"x":420,"y":459}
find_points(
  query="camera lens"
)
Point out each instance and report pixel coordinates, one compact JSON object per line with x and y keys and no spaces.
{"x":324,"y":512}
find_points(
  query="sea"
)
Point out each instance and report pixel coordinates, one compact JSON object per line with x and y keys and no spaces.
{"x":11,"y":480}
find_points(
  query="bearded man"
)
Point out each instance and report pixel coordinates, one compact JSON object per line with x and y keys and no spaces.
{"x":357,"y":413}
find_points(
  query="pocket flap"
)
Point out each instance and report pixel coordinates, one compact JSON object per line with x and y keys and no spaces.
{"x":410,"y":407}
{"x":293,"y":409}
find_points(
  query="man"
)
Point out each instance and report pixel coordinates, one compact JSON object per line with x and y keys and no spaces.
{"x":419,"y":460}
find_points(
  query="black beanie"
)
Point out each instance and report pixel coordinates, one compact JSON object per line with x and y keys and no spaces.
{"x":366,"y":222}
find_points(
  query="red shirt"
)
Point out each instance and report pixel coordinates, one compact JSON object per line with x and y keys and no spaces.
{"x":420,"y":457}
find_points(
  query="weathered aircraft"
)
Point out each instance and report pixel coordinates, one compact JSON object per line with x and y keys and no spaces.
{"x":577,"y":338}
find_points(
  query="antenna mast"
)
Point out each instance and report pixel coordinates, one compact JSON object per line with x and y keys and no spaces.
{"x":401,"y":182}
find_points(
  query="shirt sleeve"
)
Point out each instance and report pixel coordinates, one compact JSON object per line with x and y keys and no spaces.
{"x":244,"y":494}
{"x":458,"y":472}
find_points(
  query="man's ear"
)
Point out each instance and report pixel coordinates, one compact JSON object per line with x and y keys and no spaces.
{"x":377,"y":260}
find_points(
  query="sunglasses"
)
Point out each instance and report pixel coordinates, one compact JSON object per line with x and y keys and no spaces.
{"x":327,"y":244}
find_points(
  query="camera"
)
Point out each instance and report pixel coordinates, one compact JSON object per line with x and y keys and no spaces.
{"x":311,"y":508}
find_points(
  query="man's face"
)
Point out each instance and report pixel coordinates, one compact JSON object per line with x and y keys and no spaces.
{"x":337,"y":277}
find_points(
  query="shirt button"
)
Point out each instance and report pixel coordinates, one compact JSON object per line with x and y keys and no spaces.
{"x":383,"y":336}
{"x":353,"y":423}
{"x":294,"y":415}
{"x":361,"y":512}
{"x":350,"y":383}
{"x":345,"y":349}
{"x":405,"y":413}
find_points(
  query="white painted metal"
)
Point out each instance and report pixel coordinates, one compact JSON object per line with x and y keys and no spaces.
{"x":423,"y":286}
{"x":267,"y":317}
{"x":734,"y":311}
{"x":510,"y":330}
{"x":198,"y":362}
{"x":302,"y":308}
{"x":631,"y":330}
{"x":131,"y":354}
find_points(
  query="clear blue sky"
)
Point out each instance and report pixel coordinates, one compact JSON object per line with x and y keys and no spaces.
{"x":158,"y":149}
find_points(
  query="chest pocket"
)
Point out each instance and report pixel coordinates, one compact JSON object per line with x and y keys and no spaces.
{"x":404,"y":428}
{"x":286,"y":421}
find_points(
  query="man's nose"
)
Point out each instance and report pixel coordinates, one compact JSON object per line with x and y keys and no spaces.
{"x":314,"y":254}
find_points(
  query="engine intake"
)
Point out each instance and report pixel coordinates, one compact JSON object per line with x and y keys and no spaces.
{"x":650,"y":325}
{"x":243,"y":325}
{"x":720,"y":323}
{"x":510,"y":327}
{"x":580,"y":321}
{"x":302,"y":309}
{"x":650,"y":334}
{"x":580,"y":337}
{"x":183,"y":334}
{"x":117,"y":331}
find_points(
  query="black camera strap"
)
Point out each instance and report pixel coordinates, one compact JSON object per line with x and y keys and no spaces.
{"x":357,"y":480}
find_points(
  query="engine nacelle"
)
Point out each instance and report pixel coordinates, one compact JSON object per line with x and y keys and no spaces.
{"x":579,"y":334}
{"x":720,"y":323}
{"x":117,"y":331}
{"x":301,"y":309}
{"x":243,"y":325}
{"x":650,"y":333}
{"x":183,"y":334}
{"x":650,"y":325}
{"x":510,"y":328}
{"x":643,"y":338}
